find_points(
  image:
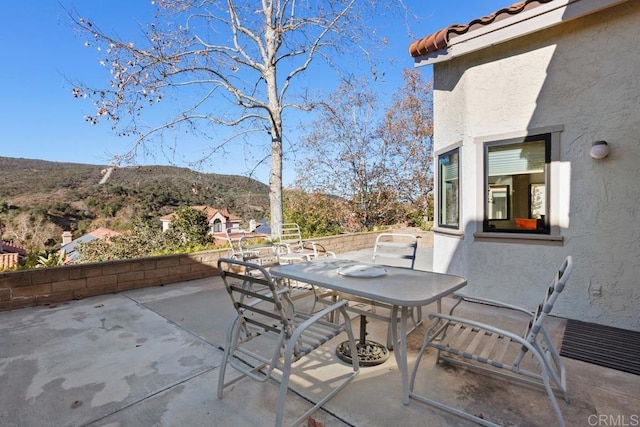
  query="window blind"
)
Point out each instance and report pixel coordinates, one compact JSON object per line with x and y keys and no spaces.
{"x":515,"y":159}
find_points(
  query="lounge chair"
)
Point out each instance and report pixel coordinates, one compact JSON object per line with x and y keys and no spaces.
{"x":487,"y":348}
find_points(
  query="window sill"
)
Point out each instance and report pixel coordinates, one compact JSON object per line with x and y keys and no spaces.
{"x":540,"y":239}
{"x":448,"y":231}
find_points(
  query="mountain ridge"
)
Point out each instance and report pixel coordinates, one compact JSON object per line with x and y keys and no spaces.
{"x":70,"y":197}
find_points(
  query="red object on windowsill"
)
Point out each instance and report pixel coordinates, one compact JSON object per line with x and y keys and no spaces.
{"x":526,"y":224}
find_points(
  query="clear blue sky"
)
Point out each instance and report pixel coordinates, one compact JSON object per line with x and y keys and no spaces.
{"x":39,"y":119}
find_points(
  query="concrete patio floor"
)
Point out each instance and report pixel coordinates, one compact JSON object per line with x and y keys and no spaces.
{"x":150,"y":357}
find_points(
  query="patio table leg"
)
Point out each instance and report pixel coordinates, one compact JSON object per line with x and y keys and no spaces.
{"x":401,"y":351}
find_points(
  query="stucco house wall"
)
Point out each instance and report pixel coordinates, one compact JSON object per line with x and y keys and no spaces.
{"x":219,"y":220}
{"x":219,"y":223}
{"x":582,"y":78}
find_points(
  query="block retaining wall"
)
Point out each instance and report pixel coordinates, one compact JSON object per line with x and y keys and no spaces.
{"x":43,"y":286}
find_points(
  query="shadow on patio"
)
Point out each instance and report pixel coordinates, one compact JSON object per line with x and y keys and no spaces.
{"x":151,"y":356}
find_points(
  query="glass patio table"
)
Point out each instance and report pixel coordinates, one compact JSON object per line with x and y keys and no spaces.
{"x":401,"y":288}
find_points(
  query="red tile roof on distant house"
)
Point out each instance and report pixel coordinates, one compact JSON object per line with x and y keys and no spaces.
{"x":440,"y":39}
{"x":211,"y":212}
{"x":103,"y":233}
{"x":9,"y":247}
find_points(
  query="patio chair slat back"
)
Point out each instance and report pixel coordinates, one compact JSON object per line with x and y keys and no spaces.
{"x":290,"y":235}
{"x":390,"y":246}
{"x":553,"y":292}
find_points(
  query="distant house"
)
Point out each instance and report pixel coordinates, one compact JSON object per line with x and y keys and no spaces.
{"x":524,"y":100}
{"x":70,"y":246}
{"x":219,"y":219}
{"x":10,"y":255}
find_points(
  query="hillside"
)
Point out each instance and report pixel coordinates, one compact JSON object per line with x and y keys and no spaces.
{"x":40,"y":199}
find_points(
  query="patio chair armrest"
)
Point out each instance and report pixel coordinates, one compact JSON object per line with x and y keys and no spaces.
{"x":317,"y":316}
{"x":319,"y":249}
{"x":322,"y":313}
{"x":488,"y":301}
{"x":282,"y":248}
{"x":484,"y":326}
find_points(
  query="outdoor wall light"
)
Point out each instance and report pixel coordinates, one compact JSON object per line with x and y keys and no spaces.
{"x":599,"y":150}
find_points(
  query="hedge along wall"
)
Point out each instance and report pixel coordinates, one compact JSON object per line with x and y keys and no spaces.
{"x":50,"y":285}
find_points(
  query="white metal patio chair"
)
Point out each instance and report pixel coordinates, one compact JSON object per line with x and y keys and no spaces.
{"x":233,"y":239}
{"x":264,"y":316}
{"x":246,"y":246}
{"x":293,"y":248}
{"x":258,"y":250}
{"x":487,"y":348}
{"x":395,"y":246}
{"x":265,"y":253}
{"x":389,"y":248}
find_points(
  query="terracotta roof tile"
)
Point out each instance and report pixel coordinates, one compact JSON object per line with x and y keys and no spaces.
{"x":440,"y":39}
{"x":9,"y":247}
{"x":103,"y":233}
{"x":208,"y":210}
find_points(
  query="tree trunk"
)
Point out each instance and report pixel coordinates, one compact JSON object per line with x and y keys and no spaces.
{"x":275,"y":185}
{"x":272,"y":37}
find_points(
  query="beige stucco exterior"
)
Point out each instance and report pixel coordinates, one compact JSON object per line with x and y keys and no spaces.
{"x":581,"y":80}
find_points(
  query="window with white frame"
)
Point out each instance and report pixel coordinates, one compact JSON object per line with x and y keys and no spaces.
{"x":517,"y":185}
{"x":449,"y":189}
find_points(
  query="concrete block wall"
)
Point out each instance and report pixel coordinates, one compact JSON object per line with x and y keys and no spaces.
{"x":43,"y":286}
{"x":354,"y":242}
{"x":346,"y":242}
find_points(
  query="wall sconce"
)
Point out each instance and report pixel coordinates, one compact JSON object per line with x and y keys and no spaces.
{"x":599,"y":150}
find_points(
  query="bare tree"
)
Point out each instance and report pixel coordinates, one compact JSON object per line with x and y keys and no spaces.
{"x":231,"y":63}
{"x":378,"y":158}
{"x":347,"y":157}
{"x":408,"y":132}
{"x":30,"y":230}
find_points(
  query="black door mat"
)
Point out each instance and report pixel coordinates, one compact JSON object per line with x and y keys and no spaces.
{"x":602,"y":345}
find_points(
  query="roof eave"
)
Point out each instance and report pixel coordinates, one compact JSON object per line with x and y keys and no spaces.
{"x":522,"y":24}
